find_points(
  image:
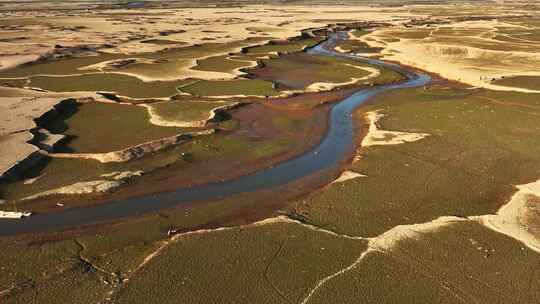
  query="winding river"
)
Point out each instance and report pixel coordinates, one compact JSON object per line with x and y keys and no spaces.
{"x":332,"y":150}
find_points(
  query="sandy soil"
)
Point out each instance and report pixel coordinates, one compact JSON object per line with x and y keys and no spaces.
{"x":115,"y":31}
{"x":377,"y":137}
{"x":19,"y":112}
{"x":117,"y":175}
{"x":113,"y":180}
{"x":471,"y":59}
{"x":57,"y":33}
{"x":13,"y":215}
{"x":511,"y":218}
{"x":80,"y":188}
{"x":326,"y":86}
{"x":347,"y":175}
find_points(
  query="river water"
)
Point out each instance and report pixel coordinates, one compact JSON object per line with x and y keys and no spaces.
{"x":330,"y":153}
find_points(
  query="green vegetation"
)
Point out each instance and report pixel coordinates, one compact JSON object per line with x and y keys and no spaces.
{"x":356,"y":46}
{"x":120,"y":84}
{"x":167,"y":64}
{"x":235,"y":148}
{"x":104,"y":127}
{"x":459,"y":170}
{"x":222,"y":63}
{"x":172,"y":63}
{"x":249,"y":87}
{"x":50,"y":272}
{"x":53,"y":173}
{"x":481,"y":144}
{"x":431,"y":268}
{"x":185,"y":111}
{"x":275,"y":267}
{"x":298,"y":71}
{"x":359,"y":33}
{"x":289,"y":47}
{"x":209,"y":156}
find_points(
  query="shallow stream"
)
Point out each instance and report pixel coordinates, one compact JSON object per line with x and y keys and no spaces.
{"x":331,"y":152}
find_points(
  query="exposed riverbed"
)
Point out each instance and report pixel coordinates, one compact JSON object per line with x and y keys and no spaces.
{"x":333,"y":150}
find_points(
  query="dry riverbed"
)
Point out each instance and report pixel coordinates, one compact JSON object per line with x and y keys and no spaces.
{"x":439,"y":204}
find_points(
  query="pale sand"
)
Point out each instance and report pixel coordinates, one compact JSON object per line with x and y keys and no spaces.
{"x":347,"y":175}
{"x":13,"y":215}
{"x":508,"y":219}
{"x":326,"y":86}
{"x":19,"y":110}
{"x":339,"y":49}
{"x":460,"y":59}
{"x":80,"y":188}
{"x":269,"y":221}
{"x":14,"y":148}
{"x":109,"y":64}
{"x":11,"y":61}
{"x":382,"y":243}
{"x":376,"y":137}
{"x":49,"y":140}
{"x":30,"y":181}
{"x":391,"y":238}
{"x":113,"y":181}
{"x":117,"y":175}
{"x":184,"y":69}
{"x":201,"y":25}
{"x":386,"y":242}
{"x":18,"y":113}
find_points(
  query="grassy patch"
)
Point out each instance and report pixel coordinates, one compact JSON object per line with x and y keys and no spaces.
{"x":58,"y":172}
{"x":185,"y":111}
{"x":168,"y":63}
{"x":221,"y":63}
{"x":356,"y":46}
{"x":172,"y":63}
{"x":100,"y":127}
{"x":432,"y":269}
{"x":250,"y":87}
{"x":300,"y":70}
{"x":120,"y":84}
{"x":274,"y":257}
{"x":288,"y":47}
{"x":359,"y":33}
{"x":210,"y":157}
{"x":459,"y":170}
